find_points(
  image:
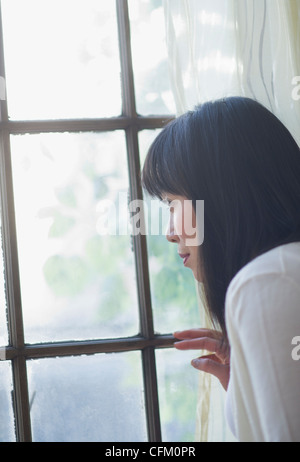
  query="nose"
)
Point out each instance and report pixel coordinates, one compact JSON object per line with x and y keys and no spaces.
{"x":170,"y":232}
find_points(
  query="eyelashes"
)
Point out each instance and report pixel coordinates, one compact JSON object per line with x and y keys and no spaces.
{"x":167,"y":202}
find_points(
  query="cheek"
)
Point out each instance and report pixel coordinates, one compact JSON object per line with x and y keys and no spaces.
{"x":188,"y":221}
{"x":194,"y":252}
{"x":178,"y":221}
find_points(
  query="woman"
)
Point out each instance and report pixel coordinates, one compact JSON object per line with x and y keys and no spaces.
{"x":243,"y":163}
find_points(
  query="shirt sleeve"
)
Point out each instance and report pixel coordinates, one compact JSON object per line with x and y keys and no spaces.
{"x":263,"y":318}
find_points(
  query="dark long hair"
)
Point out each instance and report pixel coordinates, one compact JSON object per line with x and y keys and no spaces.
{"x":242,"y":161}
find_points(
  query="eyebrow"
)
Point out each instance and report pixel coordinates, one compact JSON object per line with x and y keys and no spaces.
{"x":166,"y":200}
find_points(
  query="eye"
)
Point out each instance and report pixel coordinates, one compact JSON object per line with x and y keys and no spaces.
{"x":168,"y":202}
{"x":171,"y":207}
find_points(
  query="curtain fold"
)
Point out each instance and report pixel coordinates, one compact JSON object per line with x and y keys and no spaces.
{"x":249,"y":48}
{"x":220,"y":48}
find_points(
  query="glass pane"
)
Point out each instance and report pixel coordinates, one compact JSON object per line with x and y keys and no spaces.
{"x":173,"y":288}
{"x":3,"y":304}
{"x":61,"y":58}
{"x":178,"y":387}
{"x":7,"y":432}
{"x":149,"y":53}
{"x":77,"y":282}
{"x":91,"y":398}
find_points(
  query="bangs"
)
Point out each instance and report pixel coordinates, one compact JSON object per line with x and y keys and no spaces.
{"x":163,"y":170}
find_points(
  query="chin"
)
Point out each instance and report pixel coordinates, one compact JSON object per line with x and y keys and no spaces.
{"x":197,"y":276}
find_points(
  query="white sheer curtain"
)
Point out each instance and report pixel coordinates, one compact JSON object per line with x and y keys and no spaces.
{"x":219,"y":48}
{"x":236,"y":47}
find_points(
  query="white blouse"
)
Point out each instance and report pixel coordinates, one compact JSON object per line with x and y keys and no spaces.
{"x":263,"y":320}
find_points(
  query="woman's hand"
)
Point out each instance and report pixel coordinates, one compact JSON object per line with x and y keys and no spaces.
{"x":216,"y":363}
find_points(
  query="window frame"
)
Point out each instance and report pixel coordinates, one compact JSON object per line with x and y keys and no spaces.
{"x":147,"y":341}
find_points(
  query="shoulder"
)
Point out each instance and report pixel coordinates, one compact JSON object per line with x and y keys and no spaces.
{"x":262,"y":318}
{"x":270,"y":283}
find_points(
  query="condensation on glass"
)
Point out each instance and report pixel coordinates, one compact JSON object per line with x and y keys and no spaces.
{"x":177,"y":383}
{"x":89,"y":399}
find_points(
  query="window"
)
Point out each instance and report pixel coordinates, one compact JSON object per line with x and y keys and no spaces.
{"x":85,"y":318}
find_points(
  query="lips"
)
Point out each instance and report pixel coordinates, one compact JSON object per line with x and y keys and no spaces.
{"x":185,"y":257}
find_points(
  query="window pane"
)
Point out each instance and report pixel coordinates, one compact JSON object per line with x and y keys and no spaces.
{"x":61,"y":58}
{"x":7,"y":433}
{"x":91,"y":398}
{"x":173,"y":288}
{"x":3,"y":305}
{"x":149,"y":53}
{"x":178,"y":386}
{"x":76,"y":282}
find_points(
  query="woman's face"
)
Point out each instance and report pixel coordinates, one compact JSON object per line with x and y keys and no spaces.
{"x":182,"y":231}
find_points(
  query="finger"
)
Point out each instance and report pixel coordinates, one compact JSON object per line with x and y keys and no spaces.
{"x":213,"y":357}
{"x":196,"y":333}
{"x":204,"y":343}
{"x":209,"y":365}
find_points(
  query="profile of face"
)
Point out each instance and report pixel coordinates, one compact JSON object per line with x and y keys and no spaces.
{"x":182,"y":231}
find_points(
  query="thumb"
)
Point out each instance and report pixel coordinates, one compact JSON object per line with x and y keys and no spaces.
{"x":212,"y":365}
